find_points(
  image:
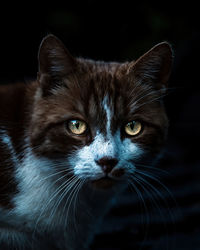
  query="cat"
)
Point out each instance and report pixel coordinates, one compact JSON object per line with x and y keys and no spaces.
{"x":73,"y":139}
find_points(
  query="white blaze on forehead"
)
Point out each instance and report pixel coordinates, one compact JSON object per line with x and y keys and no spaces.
{"x":100,"y":148}
{"x":108,"y":111}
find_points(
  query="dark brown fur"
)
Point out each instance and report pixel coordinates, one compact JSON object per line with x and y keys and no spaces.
{"x":66,"y":88}
{"x":12,"y":118}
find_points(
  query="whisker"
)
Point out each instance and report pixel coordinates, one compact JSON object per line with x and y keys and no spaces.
{"x":131,"y":183}
{"x":141,"y":91}
{"x":159,"y":182}
{"x":75,"y":202}
{"x":148,"y":91}
{"x":150,"y":101}
{"x":140,"y":95}
{"x":54,"y":194}
{"x":66,"y":187}
{"x":163,"y":171}
{"x":170,"y":211}
{"x":57,"y":173}
{"x":71,"y":195}
{"x":152,"y":92}
{"x":154,"y":201}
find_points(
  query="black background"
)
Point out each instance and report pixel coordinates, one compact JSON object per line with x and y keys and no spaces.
{"x":120,"y":31}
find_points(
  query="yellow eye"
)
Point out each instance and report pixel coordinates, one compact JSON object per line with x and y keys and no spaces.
{"x":133,"y":128}
{"x":77,"y":127}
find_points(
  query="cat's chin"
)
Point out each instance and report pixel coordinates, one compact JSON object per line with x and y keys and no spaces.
{"x":104,"y":183}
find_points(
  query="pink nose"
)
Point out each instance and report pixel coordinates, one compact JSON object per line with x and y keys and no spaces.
{"x":107,"y":164}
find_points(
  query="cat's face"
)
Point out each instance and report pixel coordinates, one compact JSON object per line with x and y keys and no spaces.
{"x":99,"y":120}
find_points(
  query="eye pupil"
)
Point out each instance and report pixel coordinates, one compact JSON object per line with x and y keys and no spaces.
{"x":77,"y":127}
{"x":133,"y":128}
{"x":132,"y":125}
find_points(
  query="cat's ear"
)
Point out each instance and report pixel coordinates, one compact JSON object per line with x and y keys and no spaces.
{"x":55,"y":62}
{"x":154,"y":66}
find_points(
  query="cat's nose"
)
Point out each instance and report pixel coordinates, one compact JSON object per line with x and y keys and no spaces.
{"x":107,"y":164}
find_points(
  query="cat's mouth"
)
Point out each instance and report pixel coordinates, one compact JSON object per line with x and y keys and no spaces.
{"x":104,"y":182}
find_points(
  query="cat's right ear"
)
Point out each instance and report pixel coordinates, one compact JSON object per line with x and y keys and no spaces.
{"x":55,"y":62}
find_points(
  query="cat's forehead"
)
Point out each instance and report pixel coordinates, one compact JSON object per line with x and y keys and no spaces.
{"x":96,"y":94}
{"x":93,"y":83}
{"x":102,"y":76}
{"x":103,"y":79}
{"x":100,"y":93}
{"x":96,"y":67}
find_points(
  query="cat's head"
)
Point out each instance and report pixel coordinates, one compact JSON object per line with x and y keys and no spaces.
{"x":99,"y":120}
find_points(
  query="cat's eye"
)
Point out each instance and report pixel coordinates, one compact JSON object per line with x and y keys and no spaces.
{"x":77,"y":127}
{"x":133,"y":128}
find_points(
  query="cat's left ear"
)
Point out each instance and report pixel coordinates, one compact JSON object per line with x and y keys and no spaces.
{"x":154,"y":66}
{"x":55,"y":62}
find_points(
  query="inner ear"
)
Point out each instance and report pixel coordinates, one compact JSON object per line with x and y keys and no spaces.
{"x":154,"y":66}
{"x":55,"y":61}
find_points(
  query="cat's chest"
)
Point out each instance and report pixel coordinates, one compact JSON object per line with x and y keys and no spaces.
{"x":37,"y":203}
{"x":27,"y":195}
{"x":41,"y":202}
{"x":32,"y":209}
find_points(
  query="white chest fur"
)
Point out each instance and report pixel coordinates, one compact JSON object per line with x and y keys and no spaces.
{"x":36,"y":209}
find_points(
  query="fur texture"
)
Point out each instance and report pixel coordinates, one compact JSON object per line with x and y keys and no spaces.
{"x":55,"y":184}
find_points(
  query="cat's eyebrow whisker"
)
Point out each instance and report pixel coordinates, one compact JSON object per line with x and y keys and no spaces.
{"x":135,"y":102}
{"x":142,"y":93}
{"x":142,"y":90}
{"x":149,"y":93}
{"x":153,"y":100}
